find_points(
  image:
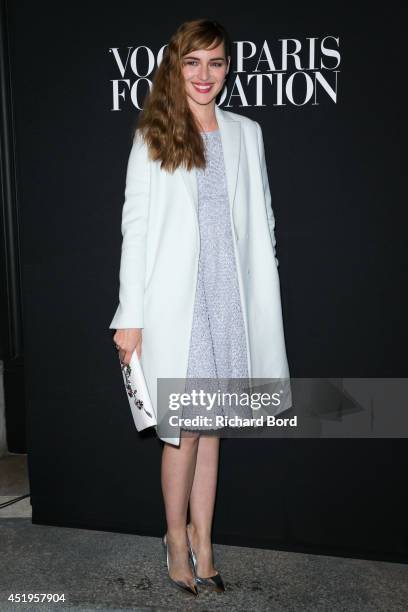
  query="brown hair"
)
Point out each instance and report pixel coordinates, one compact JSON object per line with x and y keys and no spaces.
{"x":166,"y":122}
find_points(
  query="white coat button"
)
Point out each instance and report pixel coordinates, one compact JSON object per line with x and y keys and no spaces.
{"x":248,"y":271}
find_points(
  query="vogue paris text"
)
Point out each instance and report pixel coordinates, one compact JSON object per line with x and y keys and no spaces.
{"x":287,"y":71}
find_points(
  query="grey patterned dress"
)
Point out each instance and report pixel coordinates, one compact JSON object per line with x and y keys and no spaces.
{"x":218,"y":347}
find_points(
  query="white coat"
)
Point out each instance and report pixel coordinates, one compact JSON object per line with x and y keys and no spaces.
{"x":160,"y":251}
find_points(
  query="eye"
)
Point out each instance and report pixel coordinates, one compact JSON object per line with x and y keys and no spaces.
{"x":194,"y":62}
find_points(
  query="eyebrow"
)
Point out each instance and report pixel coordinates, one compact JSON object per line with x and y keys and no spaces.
{"x":197,"y":58}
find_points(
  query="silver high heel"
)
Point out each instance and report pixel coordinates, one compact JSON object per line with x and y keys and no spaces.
{"x":178,"y":583}
{"x":215,"y":582}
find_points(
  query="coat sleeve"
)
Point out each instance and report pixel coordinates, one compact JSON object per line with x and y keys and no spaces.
{"x":129,"y":313}
{"x":267,"y":192}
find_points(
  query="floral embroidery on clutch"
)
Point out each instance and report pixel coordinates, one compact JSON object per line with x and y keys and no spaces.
{"x":132,"y":392}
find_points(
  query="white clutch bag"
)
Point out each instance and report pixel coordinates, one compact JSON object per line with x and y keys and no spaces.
{"x":136,"y":389}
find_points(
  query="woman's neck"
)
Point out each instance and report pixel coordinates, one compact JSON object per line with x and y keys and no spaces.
{"x":205,"y":117}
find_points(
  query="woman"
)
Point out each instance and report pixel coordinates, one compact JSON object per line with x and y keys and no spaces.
{"x":199,"y":287}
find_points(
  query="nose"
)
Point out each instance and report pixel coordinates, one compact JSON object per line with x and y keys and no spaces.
{"x":203,"y":72}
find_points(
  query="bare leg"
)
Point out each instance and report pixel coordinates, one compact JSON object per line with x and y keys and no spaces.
{"x":202,"y":500}
{"x":177,"y":473}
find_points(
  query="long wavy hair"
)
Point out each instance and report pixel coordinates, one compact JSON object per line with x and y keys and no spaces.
{"x":166,"y":122}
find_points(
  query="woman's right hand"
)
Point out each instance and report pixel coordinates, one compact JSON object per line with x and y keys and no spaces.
{"x":128,"y":340}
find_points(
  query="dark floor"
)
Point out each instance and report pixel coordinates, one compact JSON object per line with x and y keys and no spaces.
{"x":98,"y":570}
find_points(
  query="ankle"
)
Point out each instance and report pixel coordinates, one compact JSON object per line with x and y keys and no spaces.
{"x":176,"y":534}
{"x":200,"y":535}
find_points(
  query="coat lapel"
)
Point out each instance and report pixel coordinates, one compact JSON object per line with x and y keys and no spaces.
{"x":230,"y":131}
